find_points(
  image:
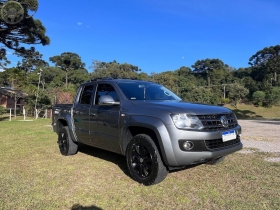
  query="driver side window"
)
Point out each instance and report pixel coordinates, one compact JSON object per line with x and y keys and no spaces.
{"x":105,"y":89}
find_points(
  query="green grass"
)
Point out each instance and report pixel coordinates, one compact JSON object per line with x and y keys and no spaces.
{"x":244,"y":111}
{"x":34,"y":175}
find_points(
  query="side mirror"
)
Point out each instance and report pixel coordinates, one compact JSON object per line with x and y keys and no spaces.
{"x":107,"y":100}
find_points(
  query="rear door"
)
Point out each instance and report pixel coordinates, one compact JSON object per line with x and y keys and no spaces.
{"x":81,"y":113}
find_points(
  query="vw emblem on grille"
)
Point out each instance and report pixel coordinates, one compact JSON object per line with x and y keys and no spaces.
{"x":224,"y":121}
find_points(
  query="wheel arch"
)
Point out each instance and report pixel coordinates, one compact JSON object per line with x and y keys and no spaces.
{"x":62,"y":122}
{"x":156,"y":130}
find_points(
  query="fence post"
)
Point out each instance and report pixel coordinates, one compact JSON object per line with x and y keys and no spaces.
{"x":23,"y":111}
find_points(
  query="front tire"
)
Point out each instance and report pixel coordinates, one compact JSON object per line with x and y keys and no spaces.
{"x":144,"y":162}
{"x":65,"y":142}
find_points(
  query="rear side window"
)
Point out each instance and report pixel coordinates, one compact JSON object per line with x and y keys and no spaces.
{"x":86,"y":94}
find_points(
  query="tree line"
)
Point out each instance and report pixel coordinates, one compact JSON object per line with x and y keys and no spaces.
{"x":208,"y":81}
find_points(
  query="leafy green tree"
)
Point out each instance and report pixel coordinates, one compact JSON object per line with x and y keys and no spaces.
{"x":68,"y":61}
{"x":51,"y":77}
{"x":244,"y":78}
{"x":76,"y":77}
{"x":266,"y":61}
{"x":242,"y":72}
{"x":144,"y":76}
{"x":272,"y":97}
{"x":43,"y":102}
{"x":250,"y":84}
{"x":168,"y":79}
{"x":186,"y":82}
{"x":2,"y":110}
{"x":258,"y":98}
{"x":237,"y":93}
{"x":208,"y":68}
{"x":14,"y":78}
{"x":203,"y":95}
{"x":17,"y":31}
{"x":31,"y":60}
{"x":113,"y":69}
{"x":54,"y":77}
{"x":225,"y":100}
{"x":52,"y":83}
{"x":3,"y":59}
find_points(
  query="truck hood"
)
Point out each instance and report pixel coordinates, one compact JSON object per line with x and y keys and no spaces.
{"x":183,"y":107}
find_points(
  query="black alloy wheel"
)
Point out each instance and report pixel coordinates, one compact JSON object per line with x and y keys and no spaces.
{"x":144,"y":162}
{"x":65,"y":142}
{"x":141,"y":160}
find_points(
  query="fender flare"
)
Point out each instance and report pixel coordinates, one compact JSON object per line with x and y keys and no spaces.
{"x":69,"y":122}
{"x":158,"y":127}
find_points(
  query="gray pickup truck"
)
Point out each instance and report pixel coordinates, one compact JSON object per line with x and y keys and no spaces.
{"x":147,"y":123}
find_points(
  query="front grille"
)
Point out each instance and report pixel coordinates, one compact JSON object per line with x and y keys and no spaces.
{"x":213,"y":122}
{"x":219,"y":144}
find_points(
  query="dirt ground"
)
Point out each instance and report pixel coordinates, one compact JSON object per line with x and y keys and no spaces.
{"x":263,"y":135}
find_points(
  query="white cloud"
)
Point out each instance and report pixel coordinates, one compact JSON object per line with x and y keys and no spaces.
{"x":9,"y":53}
{"x":79,"y":23}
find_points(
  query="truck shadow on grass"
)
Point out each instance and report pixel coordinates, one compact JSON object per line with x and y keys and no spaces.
{"x":117,"y":159}
{"x":246,"y":114}
{"x":80,"y":207}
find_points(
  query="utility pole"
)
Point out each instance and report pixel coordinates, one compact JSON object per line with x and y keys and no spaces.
{"x":224,"y":91}
{"x":36,"y":112}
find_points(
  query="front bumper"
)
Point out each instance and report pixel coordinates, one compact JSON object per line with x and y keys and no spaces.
{"x":208,"y":145}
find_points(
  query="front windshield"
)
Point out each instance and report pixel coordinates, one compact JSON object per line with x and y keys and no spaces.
{"x":146,"y":91}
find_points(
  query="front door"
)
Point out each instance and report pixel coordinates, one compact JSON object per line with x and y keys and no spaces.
{"x":104,"y":120}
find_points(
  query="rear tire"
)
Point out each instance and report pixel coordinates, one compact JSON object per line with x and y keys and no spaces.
{"x":144,"y":162}
{"x":65,"y":142}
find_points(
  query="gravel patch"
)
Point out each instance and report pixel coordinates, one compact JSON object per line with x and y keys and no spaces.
{"x":246,"y":151}
{"x":272,"y":159}
{"x":263,"y":146}
{"x":262,"y":130}
{"x":263,"y":135}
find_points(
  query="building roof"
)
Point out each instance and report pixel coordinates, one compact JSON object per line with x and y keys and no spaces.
{"x":8,"y":91}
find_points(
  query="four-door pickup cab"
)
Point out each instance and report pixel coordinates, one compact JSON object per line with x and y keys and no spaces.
{"x":147,"y":123}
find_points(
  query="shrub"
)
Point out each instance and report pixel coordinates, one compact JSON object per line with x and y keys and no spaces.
{"x":203,"y":95}
{"x":272,"y":97}
{"x":225,"y":100}
{"x":2,"y":110}
{"x":258,"y":98}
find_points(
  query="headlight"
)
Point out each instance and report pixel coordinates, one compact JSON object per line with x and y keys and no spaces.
{"x":185,"y":121}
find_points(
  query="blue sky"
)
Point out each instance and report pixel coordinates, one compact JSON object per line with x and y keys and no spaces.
{"x":160,"y":36}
